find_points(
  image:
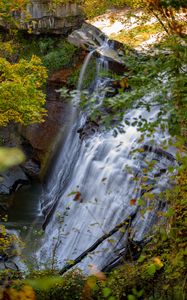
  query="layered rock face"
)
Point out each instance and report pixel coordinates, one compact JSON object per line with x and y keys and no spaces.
{"x":60,"y":19}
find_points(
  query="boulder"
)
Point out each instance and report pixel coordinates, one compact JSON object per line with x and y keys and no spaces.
{"x":31,"y":168}
{"x":12,"y":179}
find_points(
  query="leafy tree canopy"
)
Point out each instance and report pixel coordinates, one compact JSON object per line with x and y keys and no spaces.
{"x":21,"y":99}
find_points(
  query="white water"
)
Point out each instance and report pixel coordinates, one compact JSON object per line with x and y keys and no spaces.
{"x":83,"y":70}
{"x":98,"y":168}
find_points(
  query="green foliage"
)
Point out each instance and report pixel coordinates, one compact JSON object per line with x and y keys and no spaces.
{"x":96,"y":7}
{"x":21,"y":98}
{"x":137,"y":35}
{"x":164,"y":80}
{"x":159,"y":273}
{"x":9,"y":8}
{"x":70,"y":286}
{"x":10,"y":244}
{"x":54,"y":53}
{"x":73,"y":79}
{"x":62,"y":57}
{"x":91,"y":8}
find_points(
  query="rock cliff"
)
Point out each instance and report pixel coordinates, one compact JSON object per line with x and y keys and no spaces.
{"x":45,"y":18}
{"x":60,"y":20}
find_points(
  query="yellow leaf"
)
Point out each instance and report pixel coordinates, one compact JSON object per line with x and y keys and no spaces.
{"x":158,"y":262}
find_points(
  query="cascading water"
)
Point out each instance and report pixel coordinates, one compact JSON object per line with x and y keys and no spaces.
{"x":92,"y":187}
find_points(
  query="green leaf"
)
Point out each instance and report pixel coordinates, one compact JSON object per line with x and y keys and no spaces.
{"x":141,"y":258}
{"x":123,"y":230}
{"x":72,"y":193}
{"x":112,"y":241}
{"x":44,"y":283}
{"x":131,"y":297}
{"x":170,"y":212}
{"x":106,"y":292}
{"x":71,"y":262}
{"x":151,"y":269}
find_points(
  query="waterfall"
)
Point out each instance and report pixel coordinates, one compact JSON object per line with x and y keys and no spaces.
{"x":83,"y":70}
{"x":92,"y":186}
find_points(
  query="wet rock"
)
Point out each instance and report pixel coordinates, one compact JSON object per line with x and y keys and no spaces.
{"x":116,"y":67}
{"x":3,"y":210}
{"x":160,"y":152}
{"x":43,"y":137}
{"x":87,"y":37}
{"x":31,"y":168}
{"x":12,"y":180}
{"x":91,"y":38}
{"x":109,"y":53}
{"x":89,"y":128}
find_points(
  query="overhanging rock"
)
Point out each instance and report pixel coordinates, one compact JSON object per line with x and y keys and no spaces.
{"x":91,"y":38}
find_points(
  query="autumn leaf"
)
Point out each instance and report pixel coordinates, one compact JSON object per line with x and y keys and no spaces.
{"x":133,"y":202}
{"x":158,"y":262}
{"x":78,"y":197}
{"x":25,"y":293}
{"x":96,"y":272}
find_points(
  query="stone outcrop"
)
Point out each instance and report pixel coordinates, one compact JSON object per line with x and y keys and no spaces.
{"x":45,"y":18}
{"x":60,"y":20}
{"x":87,"y":37}
{"x":43,"y":137}
{"x":38,"y":141}
{"x":91,"y":38}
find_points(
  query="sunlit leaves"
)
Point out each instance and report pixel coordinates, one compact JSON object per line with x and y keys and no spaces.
{"x":158,"y":262}
{"x":26,"y":292}
{"x":153,"y":267}
{"x":8,"y":9}
{"x":136,"y":294}
{"x":21,"y":97}
{"x":106,"y":292}
{"x":10,"y":244}
{"x":141,"y":258}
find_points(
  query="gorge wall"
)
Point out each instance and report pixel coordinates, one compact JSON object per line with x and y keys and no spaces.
{"x":58,"y":19}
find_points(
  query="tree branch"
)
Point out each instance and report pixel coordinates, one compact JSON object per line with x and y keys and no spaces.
{"x":125,"y":223}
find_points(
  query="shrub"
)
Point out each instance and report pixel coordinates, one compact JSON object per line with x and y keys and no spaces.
{"x":61,"y":57}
